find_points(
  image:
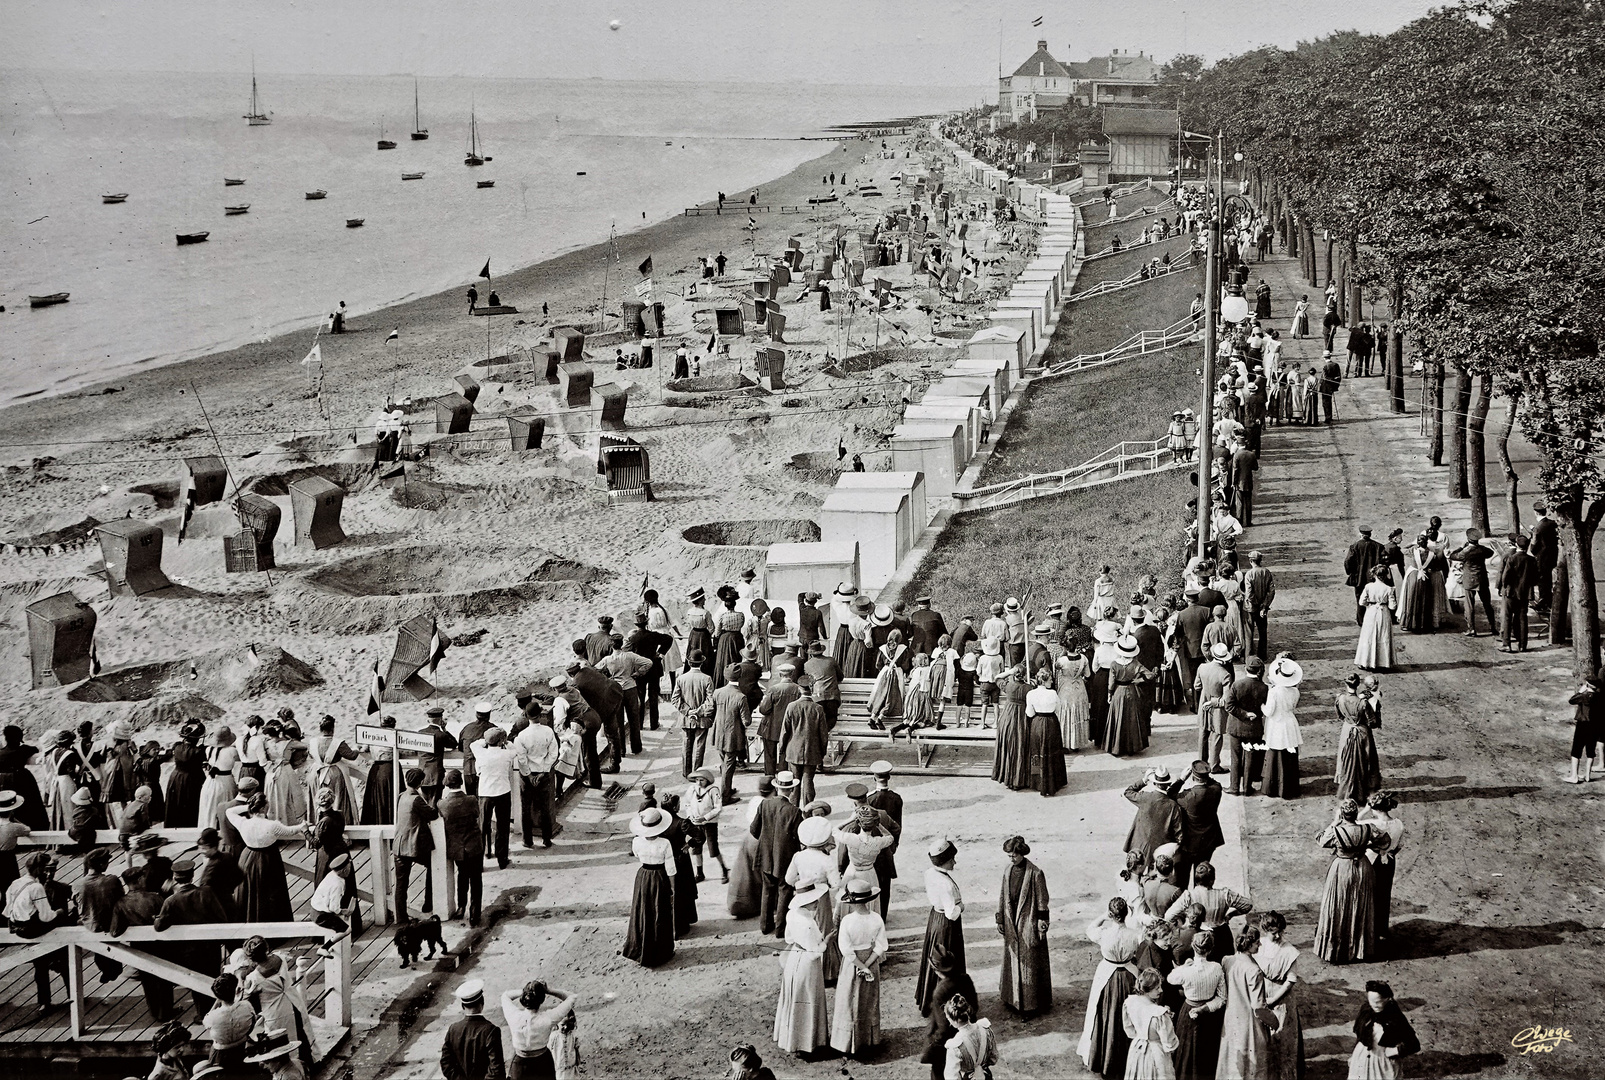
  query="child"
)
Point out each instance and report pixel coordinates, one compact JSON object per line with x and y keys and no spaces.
{"x":564,"y":1046}
{"x":569,"y":764}
{"x":991,"y":666}
{"x":10,"y":831}
{"x":136,"y":816}
{"x":964,"y":675}
{"x":942,"y":659}
{"x":87,"y":816}
{"x":148,"y":768}
{"x":332,"y":899}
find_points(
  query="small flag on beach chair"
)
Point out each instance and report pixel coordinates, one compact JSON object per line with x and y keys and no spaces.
{"x":646,"y":267}
{"x":437,"y":648}
{"x":395,"y":335}
{"x":315,"y":356}
{"x":376,"y":690}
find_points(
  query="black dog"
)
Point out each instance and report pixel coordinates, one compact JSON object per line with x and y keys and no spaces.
{"x":412,"y":935}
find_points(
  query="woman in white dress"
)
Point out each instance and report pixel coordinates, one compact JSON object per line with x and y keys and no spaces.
{"x":812,"y":866}
{"x":973,"y":1049}
{"x":65,"y":765}
{"x":1070,"y":673}
{"x":1375,"y":651}
{"x":943,"y":657}
{"x":222,"y":761}
{"x":1282,"y":736}
{"x":802,"y":1024}
{"x":855,"y":1027}
{"x":1149,"y":1027}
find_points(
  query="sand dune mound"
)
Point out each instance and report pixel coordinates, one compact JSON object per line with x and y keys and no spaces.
{"x":64,"y":529}
{"x":381,"y":589}
{"x":757,"y":533}
{"x":250,"y":671}
{"x":716,"y":551}
{"x":350,"y":476}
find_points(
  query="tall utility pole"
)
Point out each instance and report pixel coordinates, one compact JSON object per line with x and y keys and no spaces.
{"x":1206,"y":415}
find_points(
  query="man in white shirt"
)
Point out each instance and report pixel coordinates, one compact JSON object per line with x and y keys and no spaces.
{"x":535,"y":754}
{"x":494,"y":760}
{"x":331,"y":899}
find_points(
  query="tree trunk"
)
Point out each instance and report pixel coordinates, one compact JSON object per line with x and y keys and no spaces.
{"x":1330,"y":244}
{"x":1560,"y":603}
{"x":1396,"y":349}
{"x":1313,"y":273}
{"x":1435,"y":442}
{"x":1356,"y":301}
{"x":1577,"y":528}
{"x":1457,"y":434}
{"x":1477,"y":455}
{"x":1512,"y":479}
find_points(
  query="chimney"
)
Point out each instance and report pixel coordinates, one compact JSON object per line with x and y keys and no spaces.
{"x":1042,"y":46}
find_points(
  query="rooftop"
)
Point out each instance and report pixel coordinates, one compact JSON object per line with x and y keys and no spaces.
{"x":1118,"y":121}
{"x":1042,"y":64}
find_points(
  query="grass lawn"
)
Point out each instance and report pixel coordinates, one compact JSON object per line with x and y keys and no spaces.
{"x":1102,"y":322}
{"x":1063,"y":422}
{"x":1122,"y":266}
{"x":1052,"y":548}
{"x":1093,"y":212}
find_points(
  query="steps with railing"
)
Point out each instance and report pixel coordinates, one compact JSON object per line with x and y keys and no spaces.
{"x":1124,"y":459}
{"x":1181,"y":332}
{"x":1135,"y":279}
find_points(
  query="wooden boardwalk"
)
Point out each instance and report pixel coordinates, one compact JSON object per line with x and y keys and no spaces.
{"x":116,"y":1018}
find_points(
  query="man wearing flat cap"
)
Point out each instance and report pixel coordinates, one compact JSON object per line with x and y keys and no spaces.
{"x":432,"y":763}
{"x":1244,"y":705}
{"x":414,"y":843}
{"x":190,"y":905}
{"x":599,"y":642}
{"x":472,"y":1049}
{"x":782,"y":691}
{"x":804,"y":736}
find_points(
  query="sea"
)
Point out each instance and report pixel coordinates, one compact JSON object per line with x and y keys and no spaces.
{"x":647,"y":149}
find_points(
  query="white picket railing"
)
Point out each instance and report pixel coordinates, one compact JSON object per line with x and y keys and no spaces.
{"x":1121,"y":460}
{"x":1135,"y":279}
{"x":1180,"y":332}
{"x":1140,"y":212}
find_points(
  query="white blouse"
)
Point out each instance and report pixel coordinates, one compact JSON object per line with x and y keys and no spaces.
{"x":531,"y":1030}
{"x":654,"y":851}
{"x":862,"y":847}
{"x":809,"y":867}
{"x":1281,"y":722}
{"x":1041,"y":702}
{"x":859,"y":930}
{"x":943,"y":892}
{"x":262,"y":832}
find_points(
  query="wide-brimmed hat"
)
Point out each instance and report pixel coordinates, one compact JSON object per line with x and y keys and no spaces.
{"x":10,"y":802}
{"x":1011,"y":604}
{"x":1106,"y":632}
{"x":1044,"y":629}
{"x":846,"y":591}
{"x":883,"y":615}
{"x":120,"y":731}
{"x":863,"y":605}
{"x":274,"y":1044}
{"x":146,"y":842}
{"x":1161,"y":775}
{"x":785,"y":780}
{"x":703,"y":774}
{"x":992,"y":646}
{"x":1220,"y":651}
{"x":82,"y":797}
{"x":1285,"y":672}
{"x":859,"y":891}
{"x":810,"y":894}
{"x":651,"y":822}
{"x":814,"y":832}
{"x":698,"y":593}
{"x":1126,"y":647}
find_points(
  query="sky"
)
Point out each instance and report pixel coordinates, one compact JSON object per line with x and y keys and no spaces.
{"x":924,"y":42}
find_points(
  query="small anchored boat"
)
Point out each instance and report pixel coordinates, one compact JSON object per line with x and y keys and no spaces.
{"x":318,"y":194}
{"x":486,"y":183}
{"x":412,"y":176}
{"x":384,"y":143}
{"x":48,"y":300}
{"x":235,"y":211}
{"x":230,"y":182}
{"x":120,"y":197}
{"x":354,"y":222}
{"x":419,"y":132}
{"x":192,"y":238}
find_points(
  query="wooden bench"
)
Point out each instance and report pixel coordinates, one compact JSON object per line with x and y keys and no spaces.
{"x":852,"y":728}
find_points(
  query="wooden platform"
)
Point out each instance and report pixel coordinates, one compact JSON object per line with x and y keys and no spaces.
{"x":117,"y":1020}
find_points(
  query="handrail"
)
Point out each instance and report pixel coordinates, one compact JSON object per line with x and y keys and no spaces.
{"x":1134,"y":245}
{"x":1142,"y":342}
{"x":1124,"y":459}
{"x":1136,"y":278}
{"x":1141,"y":211}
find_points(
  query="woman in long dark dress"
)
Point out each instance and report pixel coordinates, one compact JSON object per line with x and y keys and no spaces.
{"x":1123,"y":731}
{"x":1417,"y":604}
{"x":859,"y":662}
{"x":699,"y":631}
{"x":841,"y":610}
{"x":16,"y":776}
{"x":1359,"y":771}
{"x":1105,"y":634}
{"x":1026,"y":981}
{"x":685,"y":880}
{"x":650,"y":940}
{"x":329,"y":835}
{"x":1346,"y":929}
{"x":184,"y":785}
{"x":379,"y":793}
{"x":264,"y":894}
{"x":1198,"y":1020}
{"x":1104,"y":1042}
{"x":149,"y":768}
{"x":944,"y":927}
{"x":727,"y":637}
{"x":1011,"y":761}
{"x":1044,"y":739}
{"x":952,"y":980}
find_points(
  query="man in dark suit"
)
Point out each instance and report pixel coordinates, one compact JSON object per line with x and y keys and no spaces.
{"x":1158,"y":819}
{"x":772,"y":713}
{"x":1259,"y":591}
{"x":472,"y":1049}
{"x":1244,"y":464}
{"x":804,"y":736}
{"x":465,"y":845}
{"x":1545,"y":550}
{"x":1517,"y":579}
{"x":810,"y":620}
{"x":826,"y":674}
{"x":1254,"y":416}
{"x":1197,"y":796}
{"x":414,"y":843}
{"x":1244,"y":705}
{"x":748,"y":675}
{"x":927,"y":626}
{"x":652,"y":646}
{"x":1473,"y":559}
{"x":606,"y":698}
{"x":1363,"y":554}
{"x":219,"y":872}
{"x":190,"y":905}
{"x":1190,"y":625}
{"x":471,"y":733}
{"x":576,"y":708}
{"x":775,"y":829}
{"x":731,"y":715}
{"x":1331,"y":379}
{"x":430,"y":763}
{"x":599,"y":642}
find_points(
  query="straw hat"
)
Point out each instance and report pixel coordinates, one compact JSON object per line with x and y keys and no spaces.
{"x":785,"y":781}
{"x":274,"y":1044}
{"x":82,"y":797}
{"x":863,"y":605}
{"x":846,"y":591}
{"x":1011,"y":604}
{"x":814,"y":832}
{"x":10,"y":802}
{"x":883,"y":615}
{"x":1220,"y":651}
{"x":651,"y":822}
{"x":1044,"y":629}
{"x":1126,"y":648}
{"x":1106,"y":632}
{"x":859,"y":891}
{"x":1285,"y":672}
{"x":703,"y":774}
{"x":810,"y":894}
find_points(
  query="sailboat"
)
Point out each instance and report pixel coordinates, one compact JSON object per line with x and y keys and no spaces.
{"x":256,"y":117}
{"x":384,"y":143}
{"x":419,"y":132}
{"x":474,"y":157}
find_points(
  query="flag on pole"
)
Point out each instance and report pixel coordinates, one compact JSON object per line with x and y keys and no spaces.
{"x":376,"y":690}
{"x":713,"y":342}
{"x":395,"y":335}
{"x":437,"y":649}
{"x":646,"y":266}
{"x":644,"y":579}
{"x":1037,"y":21}
{"x":485,"y":271}
{"x":313,"y":357}
{"x":94,"y":659}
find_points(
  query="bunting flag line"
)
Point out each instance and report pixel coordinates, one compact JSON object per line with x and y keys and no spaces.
{"x":646,"y":266}
{"x":485,"y":272}
{"x":376,"y":690}
{"x":437,"y":649}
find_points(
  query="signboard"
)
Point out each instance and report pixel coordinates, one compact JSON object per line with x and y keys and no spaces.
{"x":644,"y":287}
{"x":415,"y":741}
{"x":369,"y":735}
